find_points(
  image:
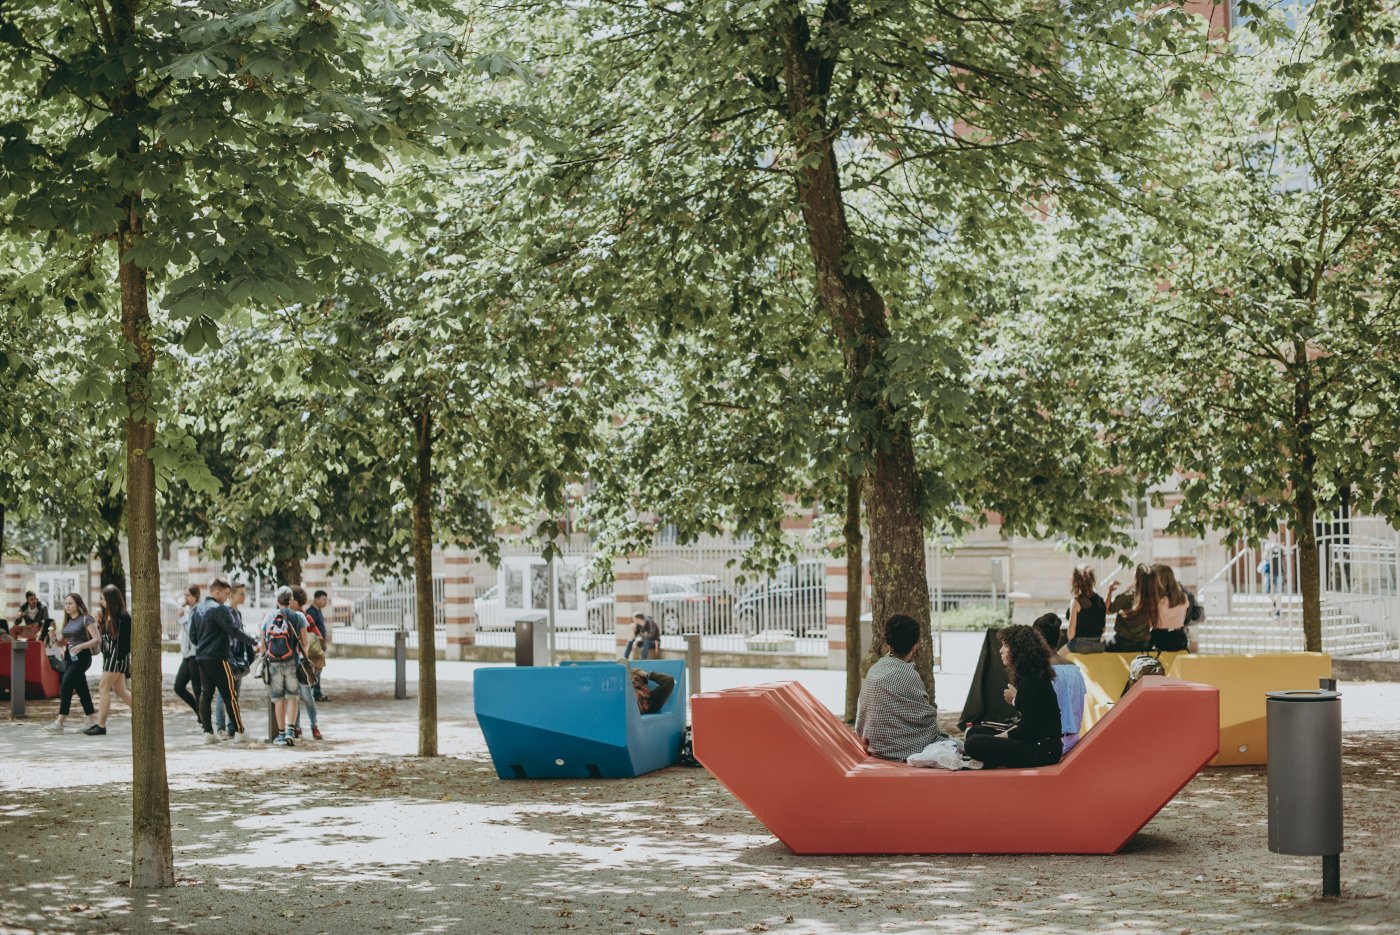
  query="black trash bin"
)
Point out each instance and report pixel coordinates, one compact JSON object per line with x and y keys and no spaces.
{"x":1305,"y":778}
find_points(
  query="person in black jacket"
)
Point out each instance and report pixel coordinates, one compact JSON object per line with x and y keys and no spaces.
{"x":212,"y":627}
{"x":1035,"y":740}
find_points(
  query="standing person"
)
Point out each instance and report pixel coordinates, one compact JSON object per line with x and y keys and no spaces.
{"x":80,"y":638}
{"x":212,"y":628}
{"x":1132,"y":628}
{"x":283,"y":638}
{"x":1087,"y":613}
{"x":1169,"y":623}
{"x":240,"y":660}
{"x":1035,"y":739}
{"x":187,"y":676}
{"x":114,"y":623}
{"x":315,"y":649}
{"x":319,"y":601}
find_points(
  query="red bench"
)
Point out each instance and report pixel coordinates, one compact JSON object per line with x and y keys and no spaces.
{"x":40,"y":680}
{"x":804,"y":774}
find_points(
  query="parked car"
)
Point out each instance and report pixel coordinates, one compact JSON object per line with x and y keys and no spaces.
{"x":680,"y":604}
{"x":491,"y":614}
{"x":390,"y":606}
{"x":794,"y":599}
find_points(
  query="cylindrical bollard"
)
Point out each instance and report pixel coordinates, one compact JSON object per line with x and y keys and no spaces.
{"x":272,"y":729}
{"x":17,"y":671}
{"x":692,"y":661}
{"x":1305,"y":778}
{"x":401,"y":664}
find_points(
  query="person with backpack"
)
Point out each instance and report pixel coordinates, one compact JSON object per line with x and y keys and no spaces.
{"x":283,"y":642}
{"x":240,"y":660}
{"x":213,"y":628}
{"x":316,"y":655}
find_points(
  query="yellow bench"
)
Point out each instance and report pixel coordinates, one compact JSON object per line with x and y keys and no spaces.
{"x":1242,"y":680}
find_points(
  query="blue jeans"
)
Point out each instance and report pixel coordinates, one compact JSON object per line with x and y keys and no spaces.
{"x":221,"y":718}
{"x":644,"y":648}
{"x":1085,"y":644}
{"x":308,"y":704}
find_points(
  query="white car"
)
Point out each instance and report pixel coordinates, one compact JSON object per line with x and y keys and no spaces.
{"x":491,"y":614}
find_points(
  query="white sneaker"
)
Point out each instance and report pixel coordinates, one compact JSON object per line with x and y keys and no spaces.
{"x":54,"y":727}
{"x":210,"y":738}
{"x":239,"y":738}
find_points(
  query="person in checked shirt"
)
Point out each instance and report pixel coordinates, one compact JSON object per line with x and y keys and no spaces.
{"x":893,"y":717}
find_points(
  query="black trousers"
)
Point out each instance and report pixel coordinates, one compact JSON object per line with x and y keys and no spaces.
{"x":1008,"y":751}
{"x":217,"y":675}
{"x":188,"y":678}
{"x":75,"y":680}
{"x":1169,"y":641}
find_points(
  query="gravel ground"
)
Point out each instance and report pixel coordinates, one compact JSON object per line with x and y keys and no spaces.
{"x":354,"y":835}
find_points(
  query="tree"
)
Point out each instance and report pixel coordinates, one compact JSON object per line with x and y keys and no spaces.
{"x":213,"y":151}
{"x":833,"y":148}
{"x":1270,"y":338}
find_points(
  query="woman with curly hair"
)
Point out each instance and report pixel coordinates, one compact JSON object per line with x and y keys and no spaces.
{"x":1035,"y":739}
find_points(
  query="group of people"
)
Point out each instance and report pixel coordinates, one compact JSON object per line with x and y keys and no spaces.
{"x":70,"y":645}
{"x":216,"y":654}
{"x":1153,"y":614}
{"x":895,"y":720}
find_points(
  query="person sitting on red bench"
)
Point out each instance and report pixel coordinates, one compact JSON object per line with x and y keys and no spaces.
{"x":1035,"y":740}
{"x":893,"y":717}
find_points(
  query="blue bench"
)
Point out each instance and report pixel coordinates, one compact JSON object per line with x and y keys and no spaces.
{"x":577,"y":720}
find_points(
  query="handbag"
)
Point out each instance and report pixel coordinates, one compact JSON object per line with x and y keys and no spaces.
{"x":57,"y":662}
{"x":306,"y":672}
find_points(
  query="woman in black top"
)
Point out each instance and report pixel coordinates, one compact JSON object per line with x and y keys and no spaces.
{"x":114,"y":623}
{"x":1035,"y":739}
{"x":1086,"y":613}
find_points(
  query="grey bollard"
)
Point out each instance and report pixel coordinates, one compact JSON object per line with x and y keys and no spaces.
{"x":272,"y":728}
{"x":17,"y":661}
{"x":1305,"y":777}
{"x":531,"y":640}
{"x":400,"y":664}
{"x":692,"y":661}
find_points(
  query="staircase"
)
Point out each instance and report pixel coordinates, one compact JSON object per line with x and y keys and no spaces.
{"x":1268,"y":623}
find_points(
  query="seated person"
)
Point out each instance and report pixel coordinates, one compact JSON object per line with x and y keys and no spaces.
{"x":893,"y":717}
{"x":1132,"y":628}
{"x":652,"y":700}
{"x":1035,"y":739}
{"x":32,"y":613}
{"x":1173,"y":608}
{"x":1069,"y":684}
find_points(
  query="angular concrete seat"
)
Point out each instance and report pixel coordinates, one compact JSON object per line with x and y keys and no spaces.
{"x":1244,"y":681}
{"x":804,"y":774}
{"x":577,"y":720}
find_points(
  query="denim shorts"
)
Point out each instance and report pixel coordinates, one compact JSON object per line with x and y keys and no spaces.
{"x":1085,"y":644}
{"x":283,"y":682}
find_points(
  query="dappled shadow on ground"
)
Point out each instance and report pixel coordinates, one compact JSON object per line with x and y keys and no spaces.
{"x":388,"y":844}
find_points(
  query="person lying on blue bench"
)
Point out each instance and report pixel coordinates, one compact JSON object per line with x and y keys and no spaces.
{"x":652,"y":700}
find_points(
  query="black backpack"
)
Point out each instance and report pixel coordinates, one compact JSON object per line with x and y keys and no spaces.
{"x":1142,"y":666}
{"x":687,"y":757}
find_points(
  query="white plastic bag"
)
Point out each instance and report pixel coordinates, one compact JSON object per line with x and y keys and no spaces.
{"x":943,"y":754}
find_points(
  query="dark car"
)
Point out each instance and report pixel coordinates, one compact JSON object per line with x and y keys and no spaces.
{"x":793,"y":599}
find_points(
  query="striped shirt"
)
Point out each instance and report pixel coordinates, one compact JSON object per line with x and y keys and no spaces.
{"x":893,"y":714}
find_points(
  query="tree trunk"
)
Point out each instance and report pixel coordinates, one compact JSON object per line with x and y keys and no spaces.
{"x":288,"y":568}
{"x":899,"y":583}
{"x":423,"y":581}
{"x":855,"y":567}
{"x":152,"y":859}
{"x":1302,"y":476}
{"x":109,"y":547}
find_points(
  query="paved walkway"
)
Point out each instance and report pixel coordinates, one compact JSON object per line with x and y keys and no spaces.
{"x":356,"y":835}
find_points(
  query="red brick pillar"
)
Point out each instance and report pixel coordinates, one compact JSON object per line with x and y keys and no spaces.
{"x":15,"y":581}
{"x":459,"y":594}
{"x":630,"y":596}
